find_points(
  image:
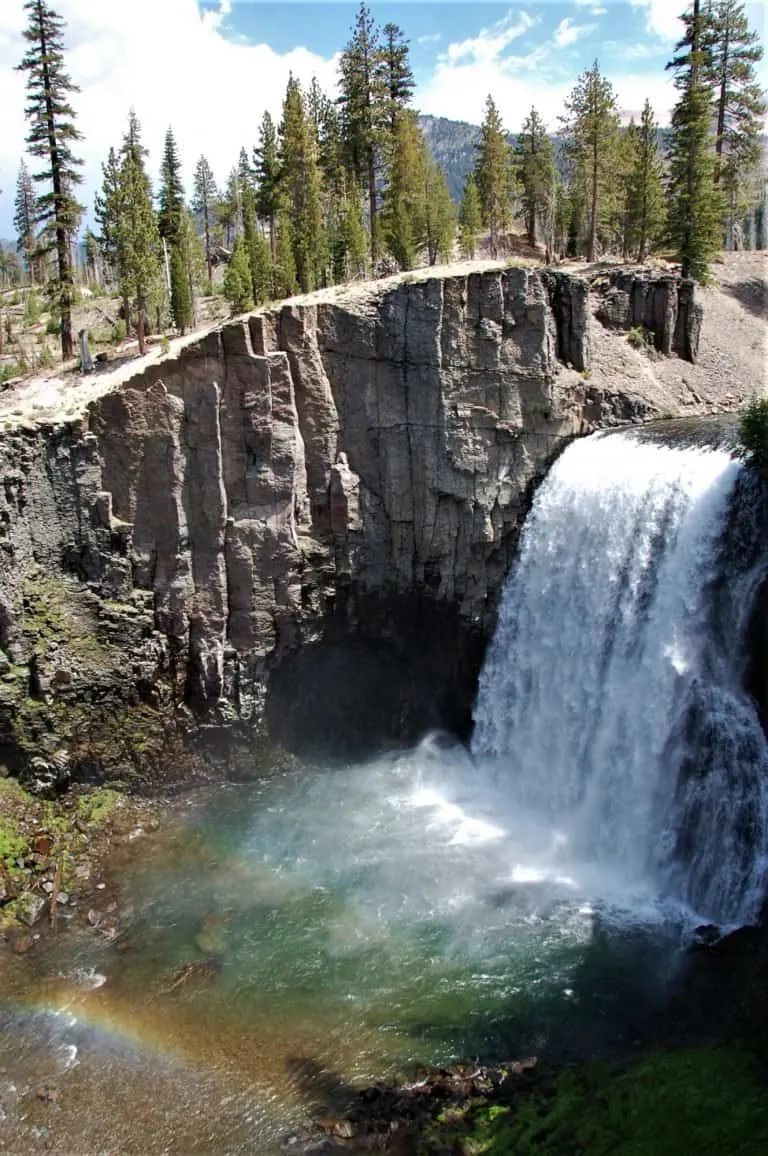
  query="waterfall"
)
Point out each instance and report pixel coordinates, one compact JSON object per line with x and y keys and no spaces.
{"x":611,"y":697}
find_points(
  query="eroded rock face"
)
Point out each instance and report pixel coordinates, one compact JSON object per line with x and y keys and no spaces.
{"x":283,"y":476}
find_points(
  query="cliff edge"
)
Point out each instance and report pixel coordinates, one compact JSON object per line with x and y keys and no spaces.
{"x":297,"y":528}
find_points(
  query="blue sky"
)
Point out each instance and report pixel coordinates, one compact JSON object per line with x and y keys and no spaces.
{"x":210,"y":68}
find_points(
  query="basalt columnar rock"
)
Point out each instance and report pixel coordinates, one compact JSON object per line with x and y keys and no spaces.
{"x":299,"y":525}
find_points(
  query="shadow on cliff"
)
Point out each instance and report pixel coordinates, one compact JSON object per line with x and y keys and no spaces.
{"x":385,"y":672}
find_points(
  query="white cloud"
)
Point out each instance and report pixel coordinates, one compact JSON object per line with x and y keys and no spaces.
{"x":489,"y":44}
{"x":662,"y":18}
{"x":431,"y":38}
{"x":168,"y":60}
{"x":594,"y":9}
{"x":568,"y":33}
{"x":460,"y":84}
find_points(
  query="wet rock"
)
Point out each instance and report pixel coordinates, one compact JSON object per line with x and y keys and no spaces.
{"x":21,"y":944}
{"x":30,"y":908}
{"x":706,"y":935}
{"x":47,"y":1093}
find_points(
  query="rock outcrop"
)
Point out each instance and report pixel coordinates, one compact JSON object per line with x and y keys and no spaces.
{"x":301,"y":524}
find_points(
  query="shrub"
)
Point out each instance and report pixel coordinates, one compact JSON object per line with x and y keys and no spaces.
{"x":754,"y":434}
{"x":31,"y":308}
{"x":46,"y":358}
{"x":640,"y":338}
{"x":15,"y":369}
{"x":53,"y":327}
{"x":118,"y":331}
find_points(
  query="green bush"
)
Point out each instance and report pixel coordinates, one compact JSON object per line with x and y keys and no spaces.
{"x":754,"y":434}
{"x":640,"y":338}
{"x":709,"y":1101}
{"x":15,"y":369}
{"x":118,"y":331}
{"x":53,"y":327}
{"x":31,"y":308}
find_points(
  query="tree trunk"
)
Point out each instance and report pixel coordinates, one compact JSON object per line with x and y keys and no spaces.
{"x":593,"y":212}
{"x":372,"y":204}
{"x":62,"y":241}
{"x":140,"y":326}
{"x":721,"y":105}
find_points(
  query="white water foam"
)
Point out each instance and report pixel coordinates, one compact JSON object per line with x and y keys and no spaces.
{"x":607,"y":701}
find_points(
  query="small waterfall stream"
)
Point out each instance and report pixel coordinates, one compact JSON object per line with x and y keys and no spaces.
{"x":612,"y":691}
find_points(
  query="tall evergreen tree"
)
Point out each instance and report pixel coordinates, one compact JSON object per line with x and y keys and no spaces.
{"x":204,"y":200}
{"x":24,"y":220}
{"x":237,"y":279}
{"x":107,"y":211}
{"x":170,"y":218}
{"x":181,"y":290}
{"x":138,"y":236}
{"x":403,"y":213}
{"x":51,"y":135}
{"x":230,"y":208}
{"x":395,"y":75}
{"x":171,"y":191}
{"x":592,"y":123}
{"x":92,"y":261}
{"x":645,"y":210}
{"x":732,"y":52}
{"x":695,"y":204}
{"x":470,"y":218}
{"x":440,"y":211}
{"x":267,"y":169}
{"x":535,"y":156}
{"x":360,"y":100}
{"x":493,"y":173}
{"x":302,"y":187}
{"x":284,"y":265}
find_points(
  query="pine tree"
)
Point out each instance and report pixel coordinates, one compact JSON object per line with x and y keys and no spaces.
{"x":204,"y":207}
{"x":230,"y":208}
{"x":267,"y":168}
{"x":170,"y":219}
{"x":354,"y":236}
{"x":107,"y":211}
{"x":395,"y":75}
{"x":138,"y":237}
{"x":237,"y":279}
{"x":535,"y":157}
{"x":51,"y":135}
{"x":592,"y":122}
{"x":645,"y":192}
{"x":92,"y":269}
{"x":695,"y":204}
{"x":302,"y":188}
{"x":24,"y":220}
{"x":171,"y":192}
{"x":181,"y":291}
{"x":403,"y":213}
{"x":260,"y":262}
{"x":284,"y":265}
{"x":360,"y":100}
{"x":493,"y":174}
{"x":440,"y":211}
{"x":470,"y":218}
{"x":732,"y":51}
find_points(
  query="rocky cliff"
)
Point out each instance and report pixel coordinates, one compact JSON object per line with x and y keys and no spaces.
{"x":298,"y":528}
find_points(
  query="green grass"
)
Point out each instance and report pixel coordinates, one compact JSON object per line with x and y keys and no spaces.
{"x":707,"y":1101}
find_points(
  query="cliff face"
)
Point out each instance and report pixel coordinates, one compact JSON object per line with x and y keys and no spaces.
{"x":302,"y":523}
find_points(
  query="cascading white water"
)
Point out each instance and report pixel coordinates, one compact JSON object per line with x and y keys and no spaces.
{"x":607,"y":694}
